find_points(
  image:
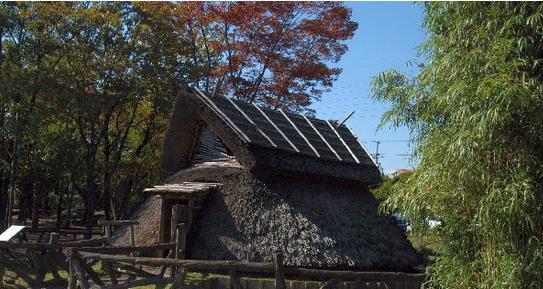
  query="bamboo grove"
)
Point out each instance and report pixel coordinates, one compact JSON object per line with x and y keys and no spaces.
{"x":475,"y":113}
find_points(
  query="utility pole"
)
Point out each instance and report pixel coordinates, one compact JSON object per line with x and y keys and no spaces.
{"x":376,"y":156}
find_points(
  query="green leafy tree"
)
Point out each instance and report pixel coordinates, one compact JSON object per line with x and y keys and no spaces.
{"x":475,"y":110}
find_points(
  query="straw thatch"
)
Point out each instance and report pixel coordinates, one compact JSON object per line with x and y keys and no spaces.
{"x":310,"y":202}
{"x":320,"y":224}
{"x":147,"y":231}
{"x":242,"y":127}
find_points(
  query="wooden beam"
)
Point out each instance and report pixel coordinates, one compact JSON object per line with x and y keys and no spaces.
{"x":265,"y":268}
{"x":353,"y":275}
{"x":117,"y":222}
{"x":140,"y":282}
{"x":192,"y":264}
{"x":128,"y":249}
{"x":84,"y":243}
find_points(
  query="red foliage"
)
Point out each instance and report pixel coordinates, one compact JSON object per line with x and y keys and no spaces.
{"x":274,"y":53}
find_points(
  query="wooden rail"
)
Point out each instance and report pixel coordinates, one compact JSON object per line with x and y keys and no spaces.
{"x":107,"y":224}
{"x":234,"y":269}
{"x":43,"y":258}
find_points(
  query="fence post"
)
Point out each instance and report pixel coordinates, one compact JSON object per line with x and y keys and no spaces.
{"x":280,"y":282}
{"x":52,"y":255}
{"x":176,"y":209}
{"x":2,"y":269}
{"x":234,"y":281}
{"x":181,"y":241}
{"x":359,"y":284}
{"x":107,"y":229}
{"x":72,"y":280}
{"x":179,"y":278}
{"x":132,"y":236}
{"x":108,"y":267}
{"x":331,"y":284}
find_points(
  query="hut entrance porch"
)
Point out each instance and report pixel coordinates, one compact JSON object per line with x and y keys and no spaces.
{"x":188,"y":195}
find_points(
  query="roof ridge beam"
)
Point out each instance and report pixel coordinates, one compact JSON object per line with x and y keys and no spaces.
{"x":322,"y":137}
{"x":343,"y":142}
{"x":300,"y":133}
{"x":276,"y":127}
{"x":252,"y":122}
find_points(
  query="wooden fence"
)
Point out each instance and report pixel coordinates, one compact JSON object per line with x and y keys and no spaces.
{"x":126,"y":266}
{"x":42,"y":258}
{"x":80,"y":273}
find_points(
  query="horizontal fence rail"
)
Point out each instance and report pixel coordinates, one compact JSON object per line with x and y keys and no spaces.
{"x":235,"y":270}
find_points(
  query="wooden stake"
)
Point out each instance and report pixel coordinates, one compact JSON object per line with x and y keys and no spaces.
{"x":90,"y":272}
{"x":72,"y":279}
{"x":234,"y":281}
{"x":181,"y":241}
{"x":107,"y":228}
{"x":108,"y":267}
{"x":190,"y":214}
{"x":173,"y":235}
{"x":279,"y":271}
{"x":77,"y":274}
{"x":331,"y":284}
{"x":179,"y":279}
{"x":52,"y":255}
{"x":173,"y":222}
{"x":2,"y":269}
{"x":359,"y":284}
{"x":132,"y":237}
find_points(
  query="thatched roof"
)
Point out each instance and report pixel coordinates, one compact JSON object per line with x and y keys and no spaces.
{"x":317,"y":223}
{"x":148,"y":229}
{"x":264,"y":139}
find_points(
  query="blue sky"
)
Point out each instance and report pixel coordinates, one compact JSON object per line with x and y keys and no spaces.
{"x":387,"y":37}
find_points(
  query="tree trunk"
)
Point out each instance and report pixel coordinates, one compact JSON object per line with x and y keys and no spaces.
{"x":36,"y":207}
{"x":90,"y":203}
{"x":3,"y":201}
{"x":60,"y":202}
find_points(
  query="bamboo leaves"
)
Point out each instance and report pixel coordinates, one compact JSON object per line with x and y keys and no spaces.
{"x":475,"y":113}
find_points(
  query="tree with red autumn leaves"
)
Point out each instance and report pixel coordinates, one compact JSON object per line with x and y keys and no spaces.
{"x":87,"y":88}
{"x":277,"y":54}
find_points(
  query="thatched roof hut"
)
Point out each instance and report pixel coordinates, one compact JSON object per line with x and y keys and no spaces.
{"x":256,"y":180}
